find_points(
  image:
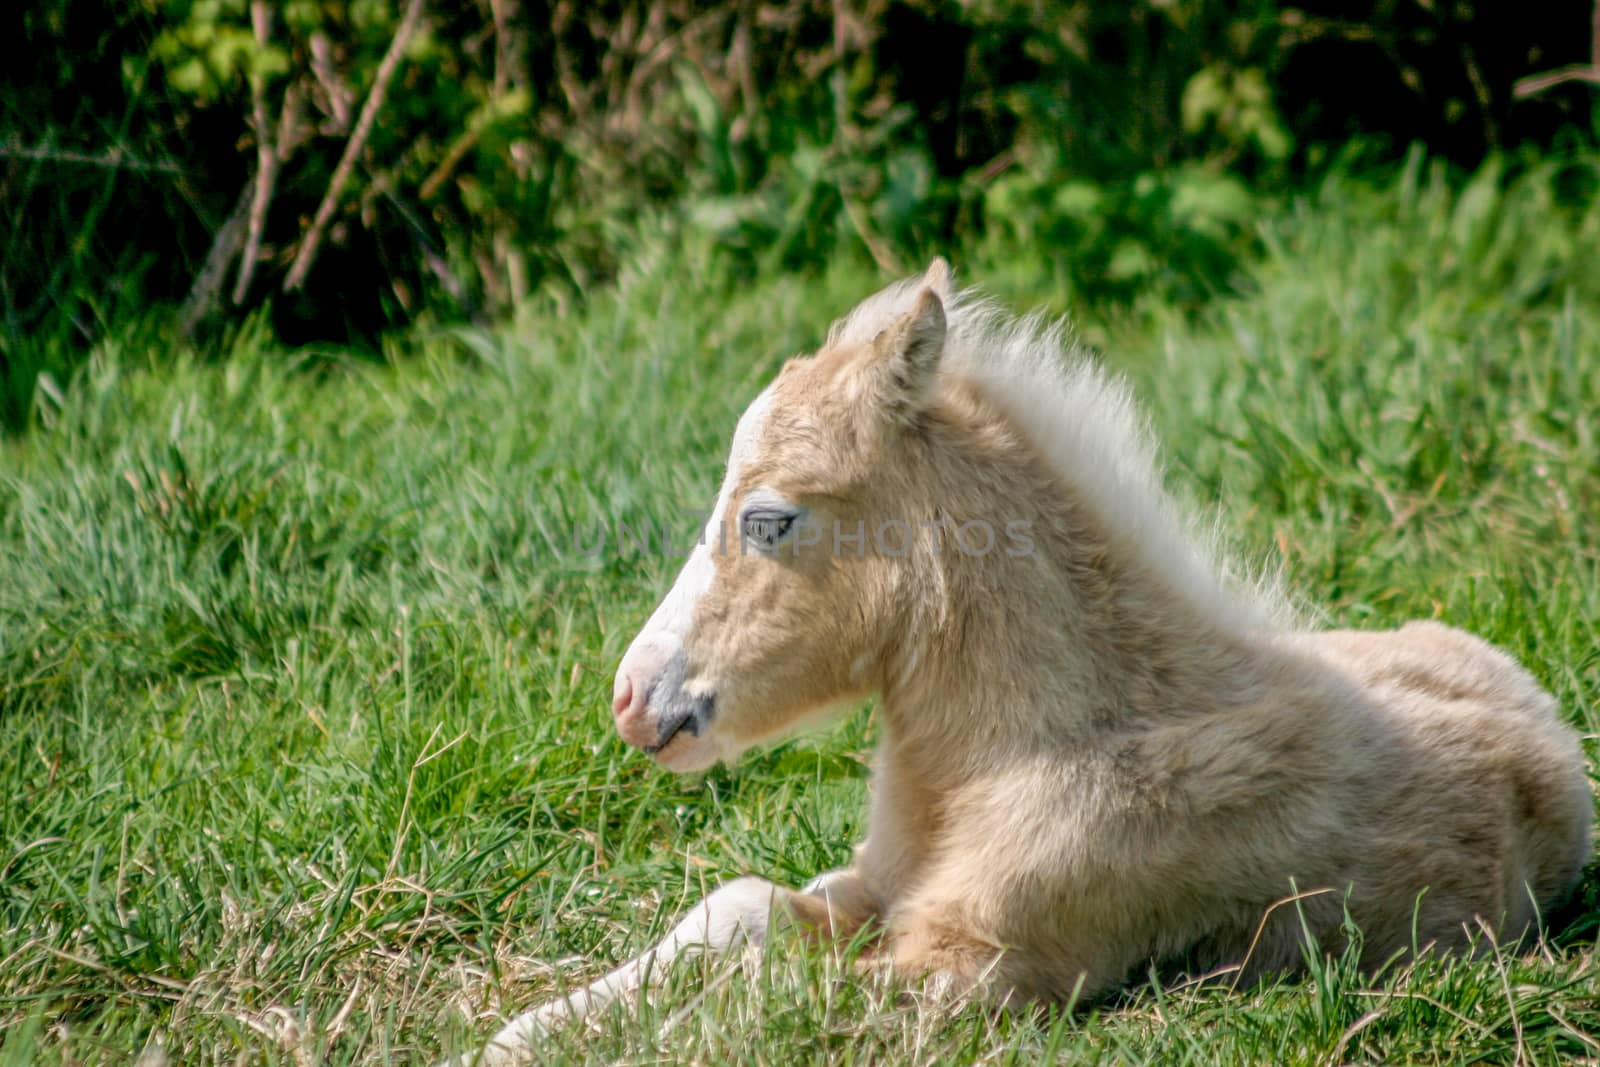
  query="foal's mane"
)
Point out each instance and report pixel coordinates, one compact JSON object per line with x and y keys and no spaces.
{"x":1089,"y":428}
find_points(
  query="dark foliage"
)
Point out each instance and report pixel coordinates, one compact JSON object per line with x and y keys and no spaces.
{"x":521,"y":145}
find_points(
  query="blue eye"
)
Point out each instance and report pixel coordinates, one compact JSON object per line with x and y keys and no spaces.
{"x":764,"y":528}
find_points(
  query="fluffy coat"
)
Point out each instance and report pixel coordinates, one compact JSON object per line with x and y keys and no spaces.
{"x":1099,"y":753}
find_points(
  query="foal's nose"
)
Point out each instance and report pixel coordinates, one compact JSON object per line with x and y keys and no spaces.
{"x":629,"y":699}
{"x":621,"y":693}
{"x":643,"y":684}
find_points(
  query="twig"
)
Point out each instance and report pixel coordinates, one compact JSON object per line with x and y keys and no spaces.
{"x":670,"y":46}
{"x":338,"y":93}
{"x":224,"y":245}
{"x":341,"y":174}
{"x":1577,"y":72}
{"x":836,"y":78}
{"x":1337,"y":1056}
{"x":499,"y":14}
{"x":112,"y":160}
{"x":741,"y":57}
{"x":342,"y":1016}
{"x":1261,"y":928}
{"x":452,"y":158}
{"x":266,"y":159}
{"x":996,"y":166}
{"x":1538,"y":83}
{"x":882,"y":255}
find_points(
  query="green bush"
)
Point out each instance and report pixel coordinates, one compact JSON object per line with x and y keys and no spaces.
{"x":516,"y":147}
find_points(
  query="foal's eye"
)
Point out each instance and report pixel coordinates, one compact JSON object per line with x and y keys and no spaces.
{"x":765,"y":529}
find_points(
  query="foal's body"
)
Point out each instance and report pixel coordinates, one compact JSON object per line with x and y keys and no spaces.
{"x":1094,"y":754}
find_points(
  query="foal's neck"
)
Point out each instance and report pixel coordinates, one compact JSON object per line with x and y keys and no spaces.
{"x":1073,"y":636}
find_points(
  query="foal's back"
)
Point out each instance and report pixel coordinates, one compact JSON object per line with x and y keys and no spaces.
{"x":1483,"y":791}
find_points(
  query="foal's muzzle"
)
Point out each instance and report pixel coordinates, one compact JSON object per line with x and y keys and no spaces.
{"x":651,"y":705}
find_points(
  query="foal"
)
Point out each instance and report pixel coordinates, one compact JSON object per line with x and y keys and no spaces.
{"x":1095,"y":752}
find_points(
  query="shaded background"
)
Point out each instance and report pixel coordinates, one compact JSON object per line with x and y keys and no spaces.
{"x":346,"y":168}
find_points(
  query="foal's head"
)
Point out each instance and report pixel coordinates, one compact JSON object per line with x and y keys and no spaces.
{"x":788,"y":602}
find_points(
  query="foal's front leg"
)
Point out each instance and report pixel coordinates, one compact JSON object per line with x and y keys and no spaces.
{"x":735,"y":915}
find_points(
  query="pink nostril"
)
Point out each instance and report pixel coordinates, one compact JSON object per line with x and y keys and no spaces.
{"x":621,"y":694}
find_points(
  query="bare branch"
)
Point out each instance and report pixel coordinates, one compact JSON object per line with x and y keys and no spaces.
{"x":208,"y":283}
{"x":358,"y":139}
{"x":338,"y":92}
{"x":836,"y":79}
{"x":266,"y":159}
{"x":1538,"y":83}
{"x":115,"y":159}
{"x":1534,"y":84}
{"x":500,"y":11}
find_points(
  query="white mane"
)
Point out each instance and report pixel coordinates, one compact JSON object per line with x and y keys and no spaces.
{"x":1091,"y":431}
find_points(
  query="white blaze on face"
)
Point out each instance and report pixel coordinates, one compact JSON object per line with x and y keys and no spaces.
{"x":663,"y":636}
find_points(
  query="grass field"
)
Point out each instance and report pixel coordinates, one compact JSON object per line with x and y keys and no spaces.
{"x":305,"y":660}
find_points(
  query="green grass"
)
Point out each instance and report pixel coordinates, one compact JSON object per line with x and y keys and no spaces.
{"x":306,"y":754}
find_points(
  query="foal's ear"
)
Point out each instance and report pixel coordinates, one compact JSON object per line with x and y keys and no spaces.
{"x":908,"y":356}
